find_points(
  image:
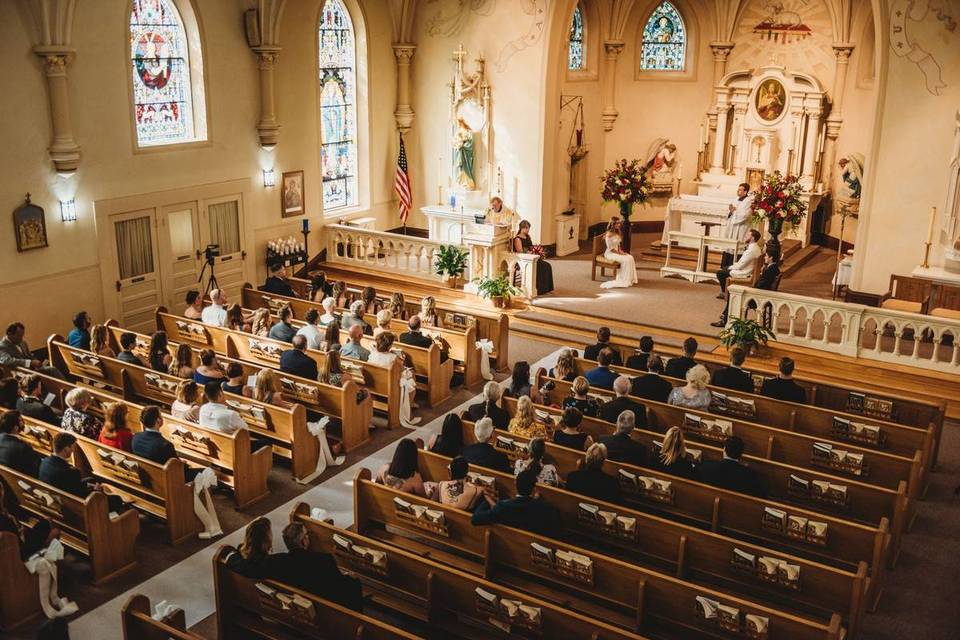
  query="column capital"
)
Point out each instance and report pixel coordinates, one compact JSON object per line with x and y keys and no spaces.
{"x":721,"y":50}
{"x":267,"y":57}
{"x":404,"y":52}
{"x":613,"y":48}
{"x":842,"y":51}
{"x":55,"y":59}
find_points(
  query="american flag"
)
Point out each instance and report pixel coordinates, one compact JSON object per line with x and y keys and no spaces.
{"x":402,"y":183}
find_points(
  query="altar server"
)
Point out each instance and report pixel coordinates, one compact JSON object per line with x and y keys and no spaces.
{"x":738,"y":220}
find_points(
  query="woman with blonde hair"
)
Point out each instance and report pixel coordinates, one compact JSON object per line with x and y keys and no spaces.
{"x":524,"y":422}
{"x":580,"y":399}
{"x":566,"y":367}
{"x":77,"y":418}
{"x":115,"y":433}
{"x":182,"y":364}
{"x":260,"y":322}
{"x":694,"y":394}
{"x":673,"y":456}
{"x":100,"y":341}
{"x":186,"y":407}
{"x":330,"y":371}
{"x":627,"y":273}
{"x":329,"y":315}
{"x":428,"y":312}
{"x":398,"y":306}
{"x":381,"y":354}
{"x":383,"y":322}
{"x":267,"y":389}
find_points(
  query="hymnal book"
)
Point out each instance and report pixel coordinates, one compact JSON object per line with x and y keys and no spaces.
{"x":691,"y":421}
{"x":841,"y":426}
{"x":41,"y":500}
{"x":757,"y":626}
{"x":775,"y":519}
{"x":744,"y":559}
{"x":627,"y":477}
{"x":816,"y":532}
{"x":868,"y":433}
{"x":485,"y":597}
{"x":487,"y":483}
{"x":728,"y":617}
{"x":694,"y":455}
{"x":163,"y":385}
{"x":822,"y":450}
{"x":855,"y":402}
{"x":828,"y":492}
{"x":707,"y":608}
{"x":48,"y":399}
{"x":402,"y":505}
{"x":120,"y":466}
{"x":797,"y":527}
{"x":38,"y":438}
{"x":758,"y":381}
{"x":879,"y":408}
{"x":627,"y":526}
{"x":796,"y":484}
{"x":575,"y":566}
{"x":508,"y":444}
{"x":421,"y":516}
{"x":718,"y":400}
{"x":541,"y":554}
{"x":341,"y":542}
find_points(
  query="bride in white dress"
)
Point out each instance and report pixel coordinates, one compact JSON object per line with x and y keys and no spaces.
{"x":627,"y":273}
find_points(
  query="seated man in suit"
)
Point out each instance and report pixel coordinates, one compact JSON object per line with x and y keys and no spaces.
{"x":482,"y":453}
{"x":602,"y":376}
{"x":296,"y":362}
{"x":650,"y":386}
{"x":149,"y":443}
{"x":30,"y":404}
{"x":639,"y":359}
{"x":730,"y":473}
{"x":766,"y":281}
{"x":277,"y":284}
{"x":620,"y":446}
{"x":354,"y":348}
{"x":14,"y":352}
{"x":603,"y":342}
{"x":525,"y":511}
{"x":783,"y":387}
{"x":57,"y":471}
{"x":355,"y":317}
{"x":734,"y":377}
{"x":127,"y":342}
{"x":742,"y":268}
{"x":678,"y":367}
{"x":489,"y":407}
{"x":414,"y":336}
{"x":282,"y":330}
{"x":612,"y":409}
{"x":14,"y":452}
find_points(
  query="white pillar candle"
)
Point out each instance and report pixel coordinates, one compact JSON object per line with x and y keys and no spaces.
{"x":933,"y":219}
{"x":680,"y":172}
{"x":700,"y":146}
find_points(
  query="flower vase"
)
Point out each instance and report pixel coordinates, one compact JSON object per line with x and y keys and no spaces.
{"x":775,"y":228}
{"x":626,"y":210}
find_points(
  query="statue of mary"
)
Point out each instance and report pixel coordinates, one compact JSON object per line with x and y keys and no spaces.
{"x":464,"y":149}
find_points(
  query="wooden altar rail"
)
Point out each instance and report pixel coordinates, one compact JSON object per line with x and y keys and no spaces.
{"x":704,"y":244}
{"x":655,"y":602}
{"x":893,"y":438}
{"x":491,"y":325}
{"x":656,"y":545}
{"x":854,"y":330}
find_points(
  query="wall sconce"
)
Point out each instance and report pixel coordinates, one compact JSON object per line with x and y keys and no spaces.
{"x":68,"y":210}
{"x":269,"y":178}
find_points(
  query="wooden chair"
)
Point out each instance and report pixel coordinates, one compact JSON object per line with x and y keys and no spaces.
{"x":945,"y":302}
{"x":599,"y":262}
{"x":906,"y":293}
{"x":19,"y":601}
{"x":138,"y":624}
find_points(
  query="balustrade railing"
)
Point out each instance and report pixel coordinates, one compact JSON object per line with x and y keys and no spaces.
{"x":872,"y":333}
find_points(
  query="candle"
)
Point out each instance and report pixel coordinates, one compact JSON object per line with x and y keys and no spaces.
{"x":933,"y":219}
{"x":580,"y":136}
{"x":306,"y":225}
{"x":793,"y":135}
{"x":700,"y":146}
{"x":680,"y":172}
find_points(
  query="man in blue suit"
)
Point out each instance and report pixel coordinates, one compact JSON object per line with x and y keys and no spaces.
{"x":602,"y":376}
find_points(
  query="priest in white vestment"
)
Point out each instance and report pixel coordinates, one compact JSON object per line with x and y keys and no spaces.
{"x":499,"y":215}
{"x":738,"y":220}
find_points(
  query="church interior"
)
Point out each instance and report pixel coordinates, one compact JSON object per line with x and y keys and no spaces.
{"x":597,"y":319}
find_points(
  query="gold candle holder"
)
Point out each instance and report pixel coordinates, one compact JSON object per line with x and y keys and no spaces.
{"x":926,"y":255}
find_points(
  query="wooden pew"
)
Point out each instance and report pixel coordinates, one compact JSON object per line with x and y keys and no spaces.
{"x":834,"y":425}
{"x":138,"y":624}
{"x":19,"y":602}
{"x":285,"y":427}
{"x":663,"y":545}
{"x":248,"y":607}
{"x":85,"y":524}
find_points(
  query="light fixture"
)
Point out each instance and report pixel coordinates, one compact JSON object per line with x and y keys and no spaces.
{"x":269,"y":178}
{"x":68,"y":210}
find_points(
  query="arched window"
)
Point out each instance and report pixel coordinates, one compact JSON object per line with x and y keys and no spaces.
{"x":664,"y":46}
{"x":165,"y":108}
{"x":338,"y":107}
{"x":577,"y":53}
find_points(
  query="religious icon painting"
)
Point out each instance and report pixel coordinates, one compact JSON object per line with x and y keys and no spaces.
{"x":770,"y":100}
{"x":291,"y":194}
{"x":29,"y":226}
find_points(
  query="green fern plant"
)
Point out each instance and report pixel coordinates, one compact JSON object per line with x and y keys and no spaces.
{"x":745,"y":333}
{"x":497,"y":287}
{"x":451,"y":261}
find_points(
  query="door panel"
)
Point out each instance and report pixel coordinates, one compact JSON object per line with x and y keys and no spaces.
{"x":179,"y":241}
{"x":135,"y":264}
{"x":223,"y":226}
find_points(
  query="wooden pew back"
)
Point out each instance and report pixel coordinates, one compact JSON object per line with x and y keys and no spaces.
{"x":18,"y":587}
{"x":138,"y":624}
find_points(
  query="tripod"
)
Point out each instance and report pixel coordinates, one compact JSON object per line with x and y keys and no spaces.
{"x":212,"y":281}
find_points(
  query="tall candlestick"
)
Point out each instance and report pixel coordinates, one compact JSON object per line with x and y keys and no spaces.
{"x":680,"y":172}
{"x":516,"y":192}
{"x":700,"y":145}
{"x":793,"y":136}
{"x":933,"y":219}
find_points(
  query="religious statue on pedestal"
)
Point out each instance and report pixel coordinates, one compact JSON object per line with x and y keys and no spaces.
{"x":852,"y":176}
{"x":465,"y":150}
{"x":661,"y":164}
{"x":470,"y":124}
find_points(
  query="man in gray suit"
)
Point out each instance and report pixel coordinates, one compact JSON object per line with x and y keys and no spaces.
{"x":14,"y":353}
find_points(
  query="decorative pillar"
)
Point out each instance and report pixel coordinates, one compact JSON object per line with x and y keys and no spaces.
{"x":64,"y":150}
{"x":737,"y":141}
{"x":842,"y":53}
{"x":609,"y":114}
{"x":721,"y":51}
{"x":810,"y":153}
{"x":268,"y":129}
{"x":720,"y":144}
{"x":404,"y":112}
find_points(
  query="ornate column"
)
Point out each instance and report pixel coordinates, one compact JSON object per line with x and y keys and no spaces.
{"x":810,"y":153}
{"x":721,"y":51}
{"x":719,"y":144}
{"x":842,"y":52}
{"x":268,"y":129}
{"x":609,"y":114}
{"x":404,"y":112}
{"x":64,"y":150}
{"x":739,"y":154}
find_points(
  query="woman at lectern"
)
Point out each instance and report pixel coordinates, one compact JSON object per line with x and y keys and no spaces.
{"x":522,"y":243}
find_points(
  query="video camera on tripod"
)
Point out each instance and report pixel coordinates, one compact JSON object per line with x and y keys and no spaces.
{"x":212,"y":251}
{"x":210,"y":255}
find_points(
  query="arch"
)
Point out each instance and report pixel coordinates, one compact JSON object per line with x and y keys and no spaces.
{"x":166,"y":73}
{"x":664,"y":44}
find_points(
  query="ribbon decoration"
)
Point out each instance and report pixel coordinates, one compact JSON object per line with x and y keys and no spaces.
{"x":485,"y":347}
{"x":915,"y":10}
{"x":207,"y":513}
{"x":164,"y":611}
{"x":318,"y":429}
{"x":408,"y":386}
{"x":43,"y":564}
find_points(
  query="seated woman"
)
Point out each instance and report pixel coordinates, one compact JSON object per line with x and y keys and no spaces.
{"x":100,"y":341}
{"x":449,"y":442}
{"x":187,"y":405}
{"x":590,"y":480}
{"x":398,"y":306}
{"x":209,"y":369}
{"x":402,"y":474}
{"x":569,"y":434}
{"x":339,"y":294}
{"x":331,"y":338}
{"x":627,"y":273}
{"x":260,"y":322}
{"x":673,"y":456}
{"x":182,"y":364}
{"x":381,"y":354}
{"x":160,"y":357}
{"x":251,"y":557}
{"x":522,"y":243}
{"x":546,"y":473}
{"x":268,"y":390}
{"x":694,"y":394}
{"x":329,"y":316}
{"x":580,"y":399}
{"x":115,"y":433}
{"x":355,"y":317}
{"x":489,"y":407}
{"x":330,"y":371}
{"x":457,"y":492}
{"x":525,"y":423}
{"x":371,"y":305}
{"x":319,"y":287}
{"x":235,"y":319}
{"x":566,"y":367}
{"x":520,"y":382}
{"x":236,"y":382}
{"x":383,"y":322}
{"x":428,"y":313}
{"x":77,"y":417}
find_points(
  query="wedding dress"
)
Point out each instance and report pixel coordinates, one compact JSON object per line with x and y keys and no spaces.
{"x":627,"y":273}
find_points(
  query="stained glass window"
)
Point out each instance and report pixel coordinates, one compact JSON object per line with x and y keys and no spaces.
{"x":577,"y":54}
{"x":338,"y":110}
{"x":664,"y":45}
{"x":162,"y":94}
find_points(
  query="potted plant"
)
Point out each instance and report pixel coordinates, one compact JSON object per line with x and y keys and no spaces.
{"x":746,"y":334}
{"x":451,"y":261}
{"x":497,"y":289}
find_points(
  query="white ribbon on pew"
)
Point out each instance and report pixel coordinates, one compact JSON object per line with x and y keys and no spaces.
{"x":318,"y":429}
{"x":408,"y":386}
{"x":485,"y":347}
{"x":43,"y":564}
{"x":207,"y":514}
{"x":164,"y":610}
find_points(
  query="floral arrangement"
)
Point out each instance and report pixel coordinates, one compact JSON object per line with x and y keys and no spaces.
{"x":626,"y":182}
{"x":778,"y":199}
{"x":538,"y":250}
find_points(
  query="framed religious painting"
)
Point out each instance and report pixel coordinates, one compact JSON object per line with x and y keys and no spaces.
{"x":770,"y":100}
{"x":755,"y":178}
{"x":29,"y":226}
{"x":291,"y":194}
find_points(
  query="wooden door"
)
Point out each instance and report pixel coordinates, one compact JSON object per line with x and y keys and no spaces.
{"x":180,"y":261}
{"x":221,"y":224}
{"x":136,"y":269}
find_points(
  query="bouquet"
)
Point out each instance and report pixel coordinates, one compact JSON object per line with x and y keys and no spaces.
{"x":538,"y":250}
{"x":626,"y":182}
{"x":778,"y":200}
